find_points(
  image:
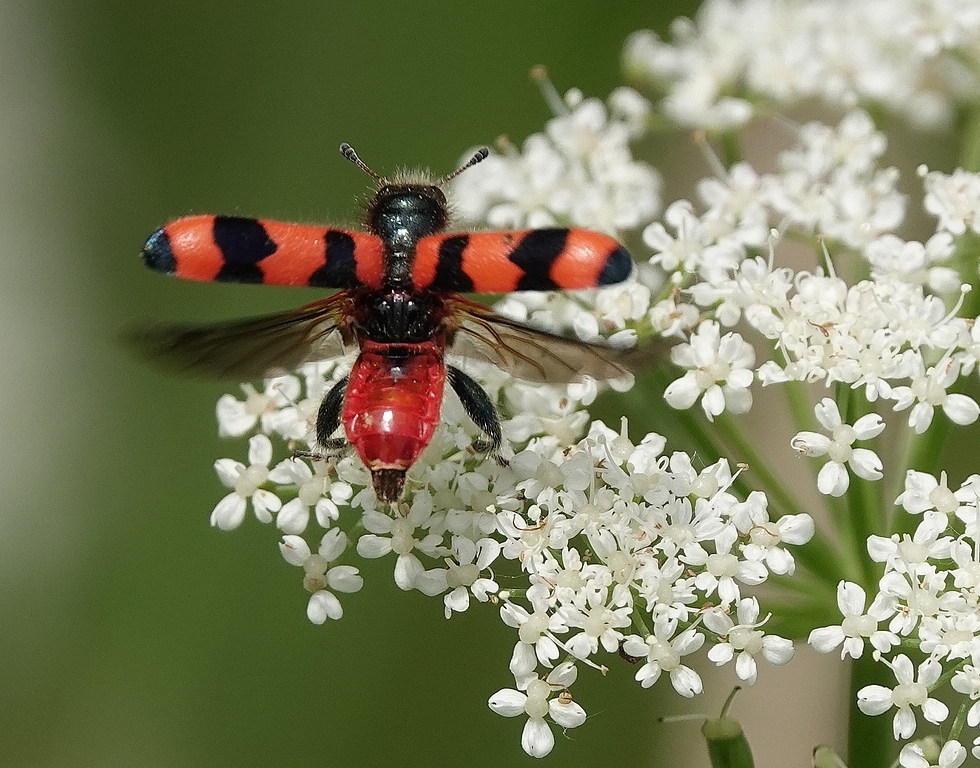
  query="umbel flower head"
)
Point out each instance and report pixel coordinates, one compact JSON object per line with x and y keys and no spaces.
{"x":595,"y":544}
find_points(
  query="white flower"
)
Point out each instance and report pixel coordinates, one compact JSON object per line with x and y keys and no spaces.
{"x":536,"y":700}
{"x":246,"y":481}
{"x":236,"y":417}
{"x":914,"y":262}
{"x":967,"y":682}
{"x":720,"y":372}
{"x":319,"y":574}
{"x":915,"y":554}
{"x":580,"y":171}
{"x":736,"y":55}
{"x":929,"y":390}
{"x":721,"y":569}
{"x":951,"y":755}
{"x":314,"y":488}
{"x":765,"y":537}
{"x":857,"y":625}
{"x":924,"y":493}
{"x":536,"y":633}
{"x":400,"y":538}
{"x":696,"y":247}
{"x":954,"y":199}
{"x":600,"y":624}
{"x":462,"y":576}
{"x":663,"y":651}
{"x":744,"y":641}
{"x":917,"y":587}
{"x":909,"y":692}
{"x":833,"y":479}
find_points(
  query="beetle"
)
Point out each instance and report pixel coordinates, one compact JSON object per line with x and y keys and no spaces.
{"x":399,"y":307}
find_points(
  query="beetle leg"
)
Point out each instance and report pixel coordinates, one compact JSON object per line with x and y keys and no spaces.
{"x":478,"y":407}
{"x":328,"y":419}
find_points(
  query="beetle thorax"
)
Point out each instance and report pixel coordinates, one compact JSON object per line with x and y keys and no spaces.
{"x":399,"y":317}
{"x":402,"y":214}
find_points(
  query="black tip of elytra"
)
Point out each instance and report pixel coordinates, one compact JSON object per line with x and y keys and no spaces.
{"x":158,"y":255}
{"x":388,"y":484}
{"x":618,"y":267}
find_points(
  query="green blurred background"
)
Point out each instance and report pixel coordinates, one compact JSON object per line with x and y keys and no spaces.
{"x":134,"y":634}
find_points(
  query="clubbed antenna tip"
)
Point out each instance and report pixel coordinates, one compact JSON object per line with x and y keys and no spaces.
{"x":348,"y":151}
{"x":479,"y":156}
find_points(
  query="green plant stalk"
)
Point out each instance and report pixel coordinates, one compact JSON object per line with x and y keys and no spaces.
{"x":959,"y":720}
{"x":870,"y":743}
{"x":727,"y":745}
{"x":819,"y":553}
{"x":970,"y":153}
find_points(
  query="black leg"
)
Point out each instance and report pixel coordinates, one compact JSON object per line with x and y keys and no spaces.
{"x":478,"y":407}
{"x":328,"y":418}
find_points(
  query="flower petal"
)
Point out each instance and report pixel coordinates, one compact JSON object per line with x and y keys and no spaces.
{"x":229,"y":513}
{"x":566,"y":714}
{"x":294,"y":549}
{"x":323,"y":605}
{"x":537,"y":738}
{"x":833,"y":479}
{"x":507,"y":702}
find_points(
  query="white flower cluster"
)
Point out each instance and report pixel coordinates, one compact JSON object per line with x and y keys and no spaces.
{"x":916,"y":58}
{"x":590,"y":543}
{"x":579,"y":172}
{"x":926,"y":599}
{"x":888,"y":335}
{"x":896,"y":337}
{"x":582,"y":544}
{"x":954,"y":199}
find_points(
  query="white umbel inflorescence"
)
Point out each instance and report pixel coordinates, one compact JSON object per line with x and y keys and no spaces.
{"x":594,"y":545}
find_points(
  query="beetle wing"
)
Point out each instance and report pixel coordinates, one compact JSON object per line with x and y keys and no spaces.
{"x":254,"y":348}
{"x":528,"y":353}
{"x":236,"y":249}
{"x":523,"y":260}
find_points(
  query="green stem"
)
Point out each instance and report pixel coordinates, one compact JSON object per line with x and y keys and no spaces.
{"x":850,"y":550}
{"x":799,"y":604}
{"x":694,"y":427}
{"x":734,"y":438}
{"x":863,"y":513}
{"x":822,"y":559}
{"x":960,"y":720}
{"x":948,"y":674}
{"x":800,"y":407}
{"x":925,"y":452}
{"x":970,"y":154}
{"x":639,"y":624}
{"x":819,"y":555}
{"x":870,"y":740}
{"x":859,"y":516}
{"x":731,"y":150}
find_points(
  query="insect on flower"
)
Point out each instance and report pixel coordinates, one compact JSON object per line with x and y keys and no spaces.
{"x":399,"y":307}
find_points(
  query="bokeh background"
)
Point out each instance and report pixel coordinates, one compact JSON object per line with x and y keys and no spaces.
{"x":131,"y":633}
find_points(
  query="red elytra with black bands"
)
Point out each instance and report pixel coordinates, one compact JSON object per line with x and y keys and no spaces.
{"x":244,"y":250}
{"x":398,"y":307}
{"x":528,"y":260}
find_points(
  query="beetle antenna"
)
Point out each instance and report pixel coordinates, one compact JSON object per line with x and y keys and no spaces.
{"x":480,"y":155}
{"x":348,"y":151}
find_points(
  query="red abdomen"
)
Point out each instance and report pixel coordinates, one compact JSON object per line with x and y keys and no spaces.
{"x":394,"y":396}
